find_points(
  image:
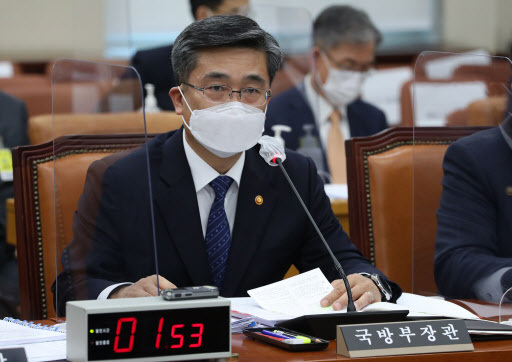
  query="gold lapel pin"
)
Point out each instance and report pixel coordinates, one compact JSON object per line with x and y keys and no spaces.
{"x":258,"y":200}
{"x":508,"y":190}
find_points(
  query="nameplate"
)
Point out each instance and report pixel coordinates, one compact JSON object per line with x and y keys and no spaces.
{"x":395,"y":338}
{"x":13,"y":354}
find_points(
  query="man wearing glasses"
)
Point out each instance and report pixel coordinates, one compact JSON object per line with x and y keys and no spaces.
{"x":223,"y":216}
{"x":325,"y":109}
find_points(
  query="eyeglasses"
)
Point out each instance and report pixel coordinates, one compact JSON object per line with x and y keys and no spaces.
{"x":222,"y":93}
{"x":350,"y":66}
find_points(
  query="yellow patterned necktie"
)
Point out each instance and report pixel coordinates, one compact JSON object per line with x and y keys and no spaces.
{"x":336,"y":150}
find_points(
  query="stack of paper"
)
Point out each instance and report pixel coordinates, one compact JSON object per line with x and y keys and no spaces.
{"x":41,"y":343}
{"x":301,"y":295}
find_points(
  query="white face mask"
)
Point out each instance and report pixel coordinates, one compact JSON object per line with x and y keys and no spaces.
{"x":342,"y":86}
{"x":228,"y":128}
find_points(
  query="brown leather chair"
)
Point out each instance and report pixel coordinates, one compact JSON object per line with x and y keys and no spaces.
{"x":395,"y":234}
{"x":41,"y":128}
{"x":43,"y":222}
{"x":482,"y":112}
{"x":34,"y":90}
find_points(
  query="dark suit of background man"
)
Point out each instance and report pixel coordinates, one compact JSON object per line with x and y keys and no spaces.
{"x":473,"y":257}
{"x":223,"y":216}
{"x":154,"y":65}
{"x":344,"y":50}
{"x":13,"y":131}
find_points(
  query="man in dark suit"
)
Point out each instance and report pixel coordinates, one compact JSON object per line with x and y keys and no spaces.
{"x":154,"y":65}
{"x":344,"y":51}
{"x":222,"y":215}
{"x":473,"y":257}
{"x":13,"y":132}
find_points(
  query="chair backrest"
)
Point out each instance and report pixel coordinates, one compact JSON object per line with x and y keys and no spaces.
{"x":407,"y":110}
{"x":41,"y":128}
{"x":44,"y":223}
{"x":383,"y":185}
{"x":34,"y":90}
{"x":482,"y":112}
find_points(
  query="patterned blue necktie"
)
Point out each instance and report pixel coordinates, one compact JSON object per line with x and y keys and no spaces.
{"x":218,"y":237}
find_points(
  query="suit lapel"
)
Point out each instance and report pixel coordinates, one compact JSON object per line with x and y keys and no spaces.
{"x":177,"y":201}
{"x":251,"y":219}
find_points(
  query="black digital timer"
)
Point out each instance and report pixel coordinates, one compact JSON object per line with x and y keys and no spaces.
{"x":148,"y":329}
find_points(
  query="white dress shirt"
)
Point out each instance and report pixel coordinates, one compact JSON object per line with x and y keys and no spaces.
{"x":202,"y":175}
{"x":322,"y":110}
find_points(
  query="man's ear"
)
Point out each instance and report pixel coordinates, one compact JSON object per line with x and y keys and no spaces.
{"x":314,"y":54}
{"x":177,"y":100}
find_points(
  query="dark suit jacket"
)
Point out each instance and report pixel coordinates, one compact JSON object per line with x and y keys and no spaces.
{"x":292,"y":109}
{"x":474,"y":219}
{"x":266,"y":239}
{"x":155,"y":67}
{"x":13,"y":129}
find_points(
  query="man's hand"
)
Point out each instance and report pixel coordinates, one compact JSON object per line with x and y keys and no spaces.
{"x":145,"y":287}
{"x":364,"y":292}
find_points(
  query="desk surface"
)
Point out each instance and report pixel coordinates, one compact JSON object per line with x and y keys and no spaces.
{"x":250,"y":350}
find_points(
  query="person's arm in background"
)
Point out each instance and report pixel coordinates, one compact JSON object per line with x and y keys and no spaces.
{"x":466,"y":242}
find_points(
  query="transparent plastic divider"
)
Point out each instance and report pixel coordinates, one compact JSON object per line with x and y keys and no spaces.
{"x":99,"y":154}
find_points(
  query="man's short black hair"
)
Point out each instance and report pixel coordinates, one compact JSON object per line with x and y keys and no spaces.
{"x":233,"y":31}
{"x":212,"y":4}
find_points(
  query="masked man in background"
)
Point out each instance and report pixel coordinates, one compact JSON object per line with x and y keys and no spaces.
{"x":223,"y":216}
{"x":324,"y":110}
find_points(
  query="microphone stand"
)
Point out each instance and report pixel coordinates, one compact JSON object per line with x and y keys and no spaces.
{"x":350,"y":306}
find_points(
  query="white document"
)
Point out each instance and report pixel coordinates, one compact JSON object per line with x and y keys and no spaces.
{"x":420,"y":306}
{"x":444,"y":67}
{"x":336,"y":191}
{"x":45,"y":351}
{"x":301,"y":295}
{"x":245,"y":307}
{"x":434,"y":102}
{"x":294,"y":296}
{"x":383,"y":87}
{"x":12,"y":334}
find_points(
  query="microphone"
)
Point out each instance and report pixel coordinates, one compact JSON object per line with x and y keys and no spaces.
{"x":272,"y":151}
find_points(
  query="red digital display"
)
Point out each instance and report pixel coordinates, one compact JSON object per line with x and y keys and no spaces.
{"x":158,"y":333}
{"x":133,"y":322}
{"x":174,"y":334}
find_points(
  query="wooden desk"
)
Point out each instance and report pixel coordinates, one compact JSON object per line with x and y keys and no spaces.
{"x":340,"y":209}
{"x":250,"y":350}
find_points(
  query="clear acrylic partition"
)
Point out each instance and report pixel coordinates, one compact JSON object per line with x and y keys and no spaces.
{"x":457,"y":240}
{"x":98,"y":126}
{"x":293,"y":29}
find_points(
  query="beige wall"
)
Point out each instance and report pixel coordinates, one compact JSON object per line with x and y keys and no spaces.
{"x":477,"y":24}
{"x":46,"y":29}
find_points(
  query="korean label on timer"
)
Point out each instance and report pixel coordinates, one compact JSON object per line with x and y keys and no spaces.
{"x":409,"y":337}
